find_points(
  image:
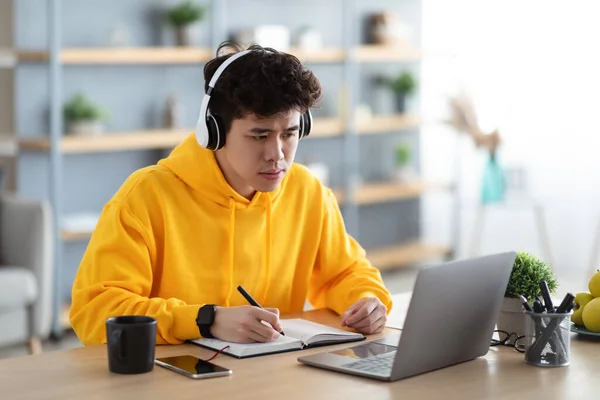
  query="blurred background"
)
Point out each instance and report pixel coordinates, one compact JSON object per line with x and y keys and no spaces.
{"x":448,"y":129}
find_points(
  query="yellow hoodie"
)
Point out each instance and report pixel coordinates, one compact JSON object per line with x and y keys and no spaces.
{"x":176,"y":236}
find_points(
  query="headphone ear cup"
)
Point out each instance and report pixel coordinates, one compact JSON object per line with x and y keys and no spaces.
{"x":305,"y":124}
{"x":216,"y":133}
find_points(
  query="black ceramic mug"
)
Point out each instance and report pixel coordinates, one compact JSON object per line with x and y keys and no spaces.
{"x":131,"y":340}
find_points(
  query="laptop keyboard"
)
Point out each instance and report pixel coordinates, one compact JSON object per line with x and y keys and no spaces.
{"x":380,"y":364}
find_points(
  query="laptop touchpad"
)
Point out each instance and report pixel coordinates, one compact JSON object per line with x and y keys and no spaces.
{"x":365,"y":350}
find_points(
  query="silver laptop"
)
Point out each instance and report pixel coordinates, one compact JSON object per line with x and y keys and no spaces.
{"x":451,"y":319}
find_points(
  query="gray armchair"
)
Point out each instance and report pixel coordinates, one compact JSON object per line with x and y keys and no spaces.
{"x":26,"y":271}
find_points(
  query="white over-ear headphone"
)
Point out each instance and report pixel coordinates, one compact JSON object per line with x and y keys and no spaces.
{"x":210,"y":132}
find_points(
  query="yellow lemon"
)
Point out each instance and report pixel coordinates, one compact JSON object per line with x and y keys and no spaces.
{"x":581,"y":300}
{"x":594,"y":284}
{"x":591,"y":315}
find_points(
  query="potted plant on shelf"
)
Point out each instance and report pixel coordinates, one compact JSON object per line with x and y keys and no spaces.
{"x":402,"y":85}
{"x":527,"y":273}
{"x":181,"y":17}
{"x":402,"y":158}
{"x":84,"y":117}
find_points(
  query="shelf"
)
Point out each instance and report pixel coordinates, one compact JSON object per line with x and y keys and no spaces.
{"x":384,"y":123}
{"x":192,"y":55}
{"x":69,"y":236}
{"x":325,"y":55}
{"x":403,"y":255}
{"x":116,"y":141}
{"x":326,"y":127}
{"x":65,"y":322}
{"x":123,"y":55}
{"x":389,"y":191}
{"x":380,"y":53}
{"x":386,"y":191}
{"x":152,"y":139}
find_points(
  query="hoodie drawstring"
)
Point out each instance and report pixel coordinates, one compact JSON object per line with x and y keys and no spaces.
{"x":267,"y":249}
{"x":231,"y":248}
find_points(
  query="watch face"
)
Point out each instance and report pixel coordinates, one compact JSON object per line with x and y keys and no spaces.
{"x":207,"y":315}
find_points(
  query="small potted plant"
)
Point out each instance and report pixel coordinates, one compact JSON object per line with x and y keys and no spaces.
{"x":527,"y":273}
{"x":181,"y":17}
{"x":403,"y":167}
{"x":402,"y":85}
{"x":84,"y":117}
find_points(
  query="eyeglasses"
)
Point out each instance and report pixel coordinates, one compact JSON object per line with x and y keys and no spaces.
{"x":504,"y":339}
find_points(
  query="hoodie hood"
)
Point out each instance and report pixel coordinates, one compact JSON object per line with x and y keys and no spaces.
{"x":198,"y":168}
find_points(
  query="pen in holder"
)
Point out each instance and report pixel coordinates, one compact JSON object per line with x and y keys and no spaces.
{"x":547,"y":339}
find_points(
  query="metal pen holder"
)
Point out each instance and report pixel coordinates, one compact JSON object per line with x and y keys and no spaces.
{"x":547,"y":339}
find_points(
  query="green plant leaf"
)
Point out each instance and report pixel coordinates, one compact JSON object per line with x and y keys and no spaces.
{"x":80,"y":108}
{"x":403,"y":154}
{"x":404,"y":84}
{"x":527,"y":273}
{"x":185,"y":13}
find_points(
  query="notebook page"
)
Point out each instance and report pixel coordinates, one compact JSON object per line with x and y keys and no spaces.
{"x":241,"y":349}
{"x":306,"y":330}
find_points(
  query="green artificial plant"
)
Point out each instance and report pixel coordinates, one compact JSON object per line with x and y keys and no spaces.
{"x":402,"y":154}
{"x":403,"y":84}
{"x":185,"y":13}
{"x":527,"y":273}
{"x":80,"y":108}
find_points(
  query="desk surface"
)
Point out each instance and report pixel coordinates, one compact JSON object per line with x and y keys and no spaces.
{"x":501,"y":374}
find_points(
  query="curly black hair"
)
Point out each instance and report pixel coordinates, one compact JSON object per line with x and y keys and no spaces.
{"x":264,"y":82}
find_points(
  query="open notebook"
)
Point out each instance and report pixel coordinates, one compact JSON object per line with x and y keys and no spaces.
{"x":299,"y":334}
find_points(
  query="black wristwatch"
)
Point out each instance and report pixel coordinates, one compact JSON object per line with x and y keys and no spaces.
{"x":205,"y":319}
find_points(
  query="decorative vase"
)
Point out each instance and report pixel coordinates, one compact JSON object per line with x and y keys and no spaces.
{"x":403,"y":173}
{"x":400,"y":102}
{"x":511,"y":318}
{"x":183,"y":36}
{"x":493,"y":186}
{"x":86,"y":128}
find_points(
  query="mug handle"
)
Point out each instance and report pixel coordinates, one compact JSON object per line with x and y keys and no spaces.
{"x":119,"y":350}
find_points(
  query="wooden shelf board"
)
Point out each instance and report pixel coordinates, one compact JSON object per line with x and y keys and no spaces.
{"x":327,"y":127}
{"x":122,"y":55}
{"x":151,"y":139}
{"x":65,"y":322}
{"x":132,"y":55}
{"x":383,"y":123}
{"x":69,"y":236}
{"x":402,"y":255}
{"x":114,"y":141}
{"x":382,"y":192}
{"x":325,"y":55}
{"x":374,"y":193}
{"x":168,"y":54}
{"x":374,"y":53}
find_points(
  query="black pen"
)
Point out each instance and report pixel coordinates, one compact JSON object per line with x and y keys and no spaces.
{"x":525,"y":303}
{"x":546,"y":296}
{"x":565,"y":305}
{"x":538,"y":308}
{"x":251,"y":300}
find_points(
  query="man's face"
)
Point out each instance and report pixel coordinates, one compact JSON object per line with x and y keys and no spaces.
{"x":259,"y":152}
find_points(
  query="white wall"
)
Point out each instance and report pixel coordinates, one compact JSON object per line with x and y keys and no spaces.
{"x":534,"y":70}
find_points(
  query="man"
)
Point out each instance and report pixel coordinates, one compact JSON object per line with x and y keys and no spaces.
{"x":228,"y":207}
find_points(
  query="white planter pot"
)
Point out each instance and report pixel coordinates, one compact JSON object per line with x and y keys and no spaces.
{"x":86,"y":128}
{"x":404,"y":174}
{"x":511,"y":318}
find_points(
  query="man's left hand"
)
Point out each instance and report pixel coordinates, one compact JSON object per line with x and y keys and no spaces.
{"x":368,"y":315}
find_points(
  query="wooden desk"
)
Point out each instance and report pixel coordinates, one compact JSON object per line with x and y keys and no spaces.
{"x":82,"y":373}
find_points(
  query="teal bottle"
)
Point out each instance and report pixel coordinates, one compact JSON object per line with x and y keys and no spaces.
{"x":492,"y":188}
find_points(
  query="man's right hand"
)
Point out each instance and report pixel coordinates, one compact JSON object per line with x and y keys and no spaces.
{"x":243,"y":324}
